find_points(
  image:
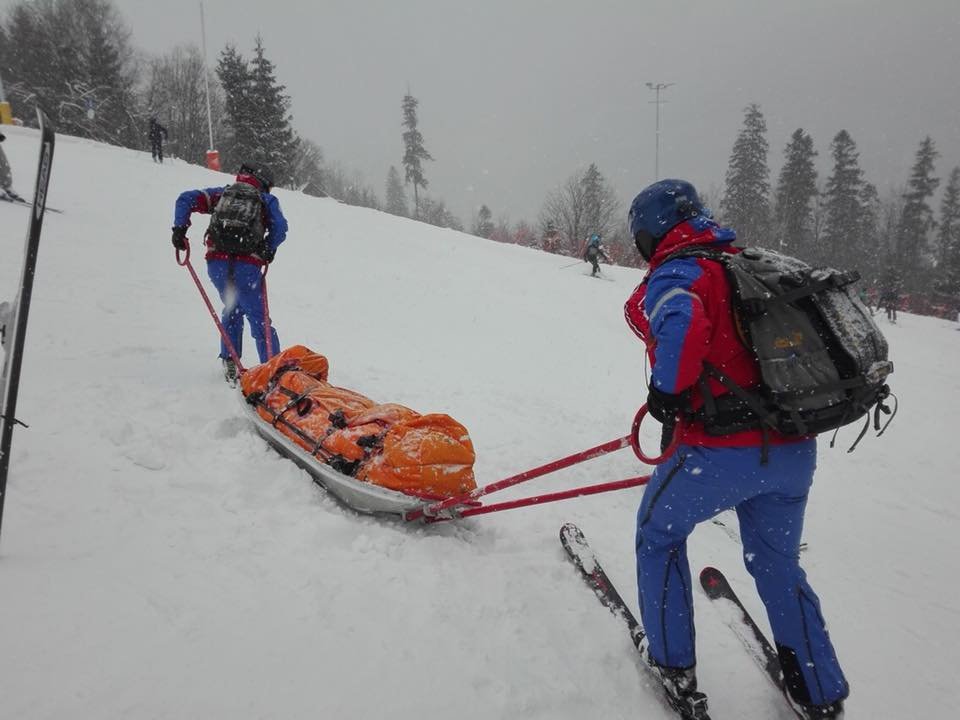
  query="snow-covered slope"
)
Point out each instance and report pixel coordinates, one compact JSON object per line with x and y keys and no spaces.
{"x":158,"y":561}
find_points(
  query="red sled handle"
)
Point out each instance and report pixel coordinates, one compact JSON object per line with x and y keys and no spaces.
{"x":635,"y":440}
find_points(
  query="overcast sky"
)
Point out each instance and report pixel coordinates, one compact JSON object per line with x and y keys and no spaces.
{"x":515,"y":95}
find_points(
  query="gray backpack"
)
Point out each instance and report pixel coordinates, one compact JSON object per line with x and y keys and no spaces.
{"x":823,"y":360}
{"x":236,"y":226}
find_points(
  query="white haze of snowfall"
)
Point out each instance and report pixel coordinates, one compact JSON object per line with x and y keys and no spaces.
{"x":159,"y":561}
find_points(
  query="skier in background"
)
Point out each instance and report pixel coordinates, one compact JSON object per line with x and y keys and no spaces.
{"x":683,"y":311}
{"x":237,"y":275}
{"x":890,"y":295}
{"x":6,"y":177}
{"x":593,"y":252}
{"x":157,"y":133}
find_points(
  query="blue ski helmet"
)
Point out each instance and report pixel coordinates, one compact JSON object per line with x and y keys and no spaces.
{"x":595,"y":239}
{"x":658,"y":209}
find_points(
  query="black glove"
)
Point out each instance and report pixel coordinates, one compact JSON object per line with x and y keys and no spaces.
{"x":267,"y":254}
{"x":663,"y":406}
{"x":179,"y":238}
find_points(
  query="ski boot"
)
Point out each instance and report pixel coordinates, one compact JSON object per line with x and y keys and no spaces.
{"x":680,"y":687}
{"x":230,"y":372}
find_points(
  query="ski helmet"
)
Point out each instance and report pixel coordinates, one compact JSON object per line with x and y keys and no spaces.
{"x":658,"y":209}
{"x":260,"y":173}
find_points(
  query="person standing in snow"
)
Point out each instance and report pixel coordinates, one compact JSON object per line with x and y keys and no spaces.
{"x":890,"y":295}
{"x":6,"y":176}
{"x":244,"y":233}
{"x":593,"y":252}
{"x":683,"y":311}
{"x":157,"y":133}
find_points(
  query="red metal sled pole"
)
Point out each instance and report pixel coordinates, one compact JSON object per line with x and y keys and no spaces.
{"x":553,"y":497}
{"x":267,"y":325}
{"x":430,"y":511}
{"x":213,"y":313}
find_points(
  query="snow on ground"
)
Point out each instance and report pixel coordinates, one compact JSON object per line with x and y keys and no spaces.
{"x":158,"y":561}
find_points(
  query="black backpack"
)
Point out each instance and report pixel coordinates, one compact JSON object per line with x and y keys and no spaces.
{"x":236,"y":226}
{"x":823,"y":360}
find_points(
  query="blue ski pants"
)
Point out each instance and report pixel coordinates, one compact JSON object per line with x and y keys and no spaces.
{"x":770,"y":500}
{"x":240,"y":286}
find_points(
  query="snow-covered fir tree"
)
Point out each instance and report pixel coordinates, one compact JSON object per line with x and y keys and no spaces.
{"x":868,"y":247}
{"x":843,"y":209}
{"x":414,"y":152}
{"x":396,"y":198}
{"x":435,"y":212}
{"x":917,"y":221}
{"x":75,"y":59}
{"x":238,"y":139}
{"x":948,"y":235}
{"x":483,"y":224}
{"x":746,"y":200}
{"x":795,"y":195}
{"x":601,"y":207}
{"x":269,"y":106}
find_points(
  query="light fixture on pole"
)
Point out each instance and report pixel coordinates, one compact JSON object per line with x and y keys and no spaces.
{"x":657,"y":87}
{"x":213,"y":157}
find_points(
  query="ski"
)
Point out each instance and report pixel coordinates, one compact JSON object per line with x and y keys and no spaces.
{"x":27,"y":204}
{"x":15,"y":328}
{"x":732,"y":533}
{"x":582,"y":556}
{"x":746,"y":629}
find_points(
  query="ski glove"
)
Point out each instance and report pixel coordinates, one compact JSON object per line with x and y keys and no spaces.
{"x":179,"y":238}
{"x":663,"y":406}
{"x":267,"y":254}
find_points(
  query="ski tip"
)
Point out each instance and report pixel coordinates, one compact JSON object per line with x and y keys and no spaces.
{"x":569,"y":531}
{"x":712,"y":581}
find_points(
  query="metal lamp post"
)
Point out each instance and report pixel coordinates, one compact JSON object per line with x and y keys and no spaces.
{"x":657,"y":87}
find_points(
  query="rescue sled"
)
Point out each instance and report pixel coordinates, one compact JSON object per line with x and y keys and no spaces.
{"x":375,"y":457}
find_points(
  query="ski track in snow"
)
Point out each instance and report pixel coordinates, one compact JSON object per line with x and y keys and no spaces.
{"x":159,"y":561}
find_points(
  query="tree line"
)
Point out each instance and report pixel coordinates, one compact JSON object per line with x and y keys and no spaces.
{"x":842,"y":220}
{"x":75,"y":59}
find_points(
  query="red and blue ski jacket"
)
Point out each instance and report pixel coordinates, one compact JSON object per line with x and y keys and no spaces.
{"x":683,"y":312}
{"x":204,"y":201}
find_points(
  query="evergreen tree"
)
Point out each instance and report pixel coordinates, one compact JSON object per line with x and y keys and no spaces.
{"x":396,"y":197}
{"x":414,"y":151}
{"x":601,"y":208}
{"x":795,"y":195}
{"x":916,"y":222}
{"x":235,"y":79}
{"x":843,"y":214}
{"x":108,"y":100}
{"x":746,"y":201}
{"x":869,"y":246}
{"x":275,"y":144}
{"x":308,"y":175}
{"x":74,"y":59}
{"x":483,"y":225}
{"x":435,"y":212}
{"x":948,"y":237}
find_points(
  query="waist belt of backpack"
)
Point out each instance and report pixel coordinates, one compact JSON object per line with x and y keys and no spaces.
{"x":738,"y":410}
